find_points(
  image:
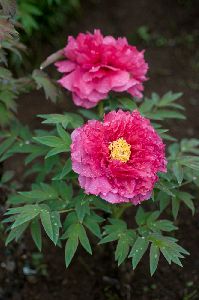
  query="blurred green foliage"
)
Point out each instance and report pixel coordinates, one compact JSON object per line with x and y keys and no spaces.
{"x":45,"y":15}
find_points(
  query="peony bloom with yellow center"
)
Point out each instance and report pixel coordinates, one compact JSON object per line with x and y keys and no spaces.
{"x":118,"y":159}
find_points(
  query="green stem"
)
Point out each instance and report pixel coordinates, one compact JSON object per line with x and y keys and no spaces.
{"x":65,"y":210}
{"x":101,"y":109}
{"x":119,"y":210}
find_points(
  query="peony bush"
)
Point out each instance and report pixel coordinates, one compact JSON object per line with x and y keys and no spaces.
{"x":83,"y":170}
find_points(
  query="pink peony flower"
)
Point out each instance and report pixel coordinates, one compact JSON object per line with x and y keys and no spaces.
{"x":118,"y":159}
{"x":95,"y":65}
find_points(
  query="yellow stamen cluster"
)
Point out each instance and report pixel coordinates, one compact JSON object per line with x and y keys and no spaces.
{"x":120,"y":150}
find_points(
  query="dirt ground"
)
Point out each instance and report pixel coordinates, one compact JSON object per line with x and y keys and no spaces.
{"x":173,"y":55}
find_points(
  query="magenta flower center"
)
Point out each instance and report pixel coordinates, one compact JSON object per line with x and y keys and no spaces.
{"x":120,"y":150}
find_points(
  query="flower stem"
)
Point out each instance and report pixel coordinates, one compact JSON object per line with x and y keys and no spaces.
{"x":119,"y":210}
{"x":65,"y":210}
{"x":101,"y":109}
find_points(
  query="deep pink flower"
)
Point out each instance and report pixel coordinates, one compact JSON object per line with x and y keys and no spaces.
{"x":118,"y":159}
{"x":95,"y":65}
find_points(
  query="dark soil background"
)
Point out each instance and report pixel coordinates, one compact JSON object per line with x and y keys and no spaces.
{"x":173,"y":55}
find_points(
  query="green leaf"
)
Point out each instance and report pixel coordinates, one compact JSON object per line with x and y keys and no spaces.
{"x":165,"y":225}
{"x":6,"y":144}
{"x":169,"y":248}
{"x":84,"y":239}
{"x":100,"y":204}
{"x":178,"y":172}
{"x":165,"y":114}
{"x":28,"y":213}
{"x":122,"y":250}
{"x":66,"y":120}
{"x":71,"y":248}
{"x":16,"y":233}
{"x":46,"y":221}
{"x":190,"y":146}
{"x":128,"y":103}
{"x":56,"y":224}
{"x":154,"y":258}
{"x":187,"y":199}
{"x":146,"y":106}
{"x":65,"y":191}
{"x":91,"y":222}
{"x":51,"y":223}
{"x":175,"y":207}
{"x":88,"y":114}
{"x":36,"y":233}
{"x":164,"y":200}
{"x":41,"y":192}
{"x":82,"y":207}
{"x":109,"y":238}
{"x":51,"y":141}
{"x":43,"y":81}
{"x":7,"y":176}
{"x":66,"y":169}
{"x":140,"y":217}
{"x":138,"y":250}
{"x":65,"y":136}
{"x":152,"y":217}
{"x":190,"y":162}
{"x":56,"y":151}
{"x":168,"y":98}
{"x":11,"y":236}
{"x":165,"y":187}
